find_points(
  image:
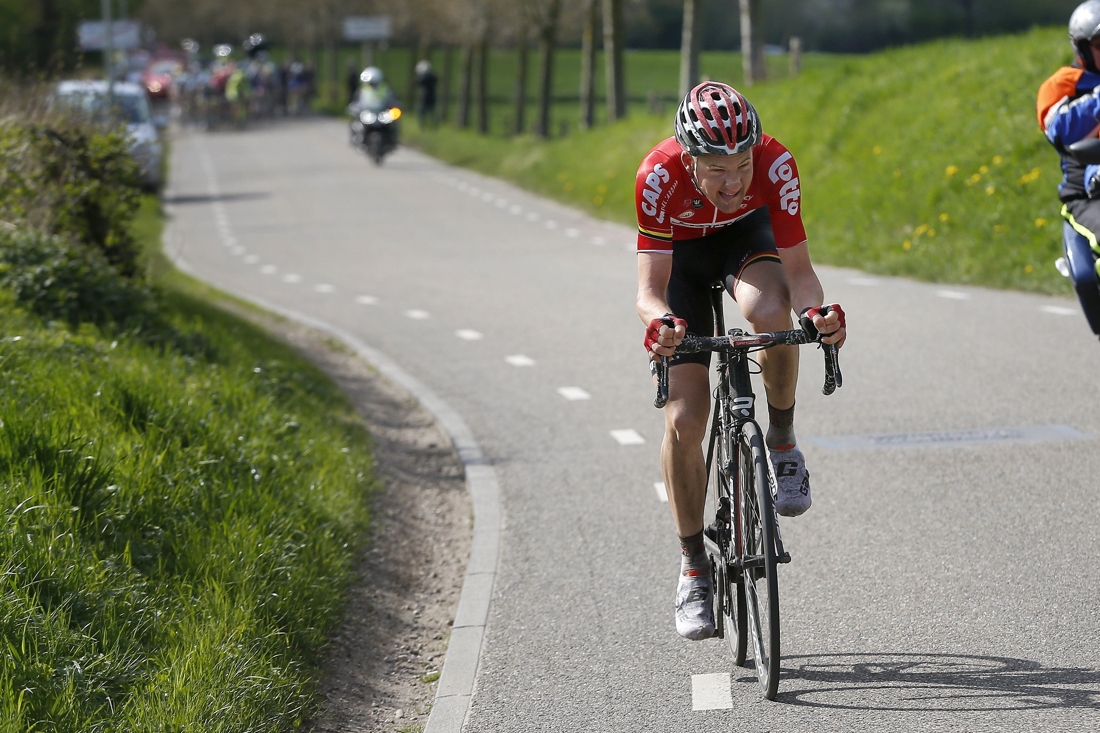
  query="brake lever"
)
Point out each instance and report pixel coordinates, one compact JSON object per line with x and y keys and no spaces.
{"x":660,"y":370}
{"x":833,"y":376}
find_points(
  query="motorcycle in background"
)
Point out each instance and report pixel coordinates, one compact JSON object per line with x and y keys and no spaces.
{"x":374,"y":129}
{"x":1080,"y":261}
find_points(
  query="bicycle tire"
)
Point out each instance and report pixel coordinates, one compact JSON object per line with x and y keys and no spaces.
{"x":761,"y":582}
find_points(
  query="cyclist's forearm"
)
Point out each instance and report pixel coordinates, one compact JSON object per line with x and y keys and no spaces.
{"x":806,"y":291}
{"x":654,"y":271}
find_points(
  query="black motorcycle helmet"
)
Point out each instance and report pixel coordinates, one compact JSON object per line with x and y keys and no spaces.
{"x":1084,"y":26}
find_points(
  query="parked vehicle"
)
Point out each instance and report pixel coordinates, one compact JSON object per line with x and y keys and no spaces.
{"x":131,"y":107}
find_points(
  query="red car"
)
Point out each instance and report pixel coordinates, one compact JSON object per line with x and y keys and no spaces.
{"x":158,"y":77}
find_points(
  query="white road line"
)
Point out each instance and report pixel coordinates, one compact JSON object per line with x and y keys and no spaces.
{"x":269,"y":269}
{"x":502,"y":204}
{"x":513,"y":210}
{"x":574,"y":393}
{"x":292,"y":278}
{"x":711,"y":692}
{"x":519,"y":360}
{"x":627,"y":437}
{"x":252,"y":259}
{"x":473,"y":190}
{"x":366,"y":300}
{"x":324,"y":288}
{"x":237,"y":251}
{"x":468,"y":334}
{"x":662,"y":493}
{"x":417,"y":315}
{"x":229,"y":241}
{"x":864,"y":281}
{"x":1058,"y":310}
{"x":487,"y":197}
{"x":572,"y":233}
{"x":599,"y":241}
{"x":551,"y":224}
{"x":953,"y":295}
{"x":533,"y":216}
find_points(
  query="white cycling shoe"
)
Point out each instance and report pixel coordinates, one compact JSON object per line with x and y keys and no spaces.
{"x":694,"y":607}
{"x":792,"y":495}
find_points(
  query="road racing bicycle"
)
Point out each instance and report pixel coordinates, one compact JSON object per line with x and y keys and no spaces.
{"x":741,"y":528}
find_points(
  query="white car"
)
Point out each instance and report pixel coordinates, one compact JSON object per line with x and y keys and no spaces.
{"x":132,"y":107}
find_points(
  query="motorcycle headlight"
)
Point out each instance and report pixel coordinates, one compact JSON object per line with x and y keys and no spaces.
{"x":385,"y":117}
{"x":367,"y":117}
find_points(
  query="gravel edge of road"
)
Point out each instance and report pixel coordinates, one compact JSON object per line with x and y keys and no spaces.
{"x":457,"y":679}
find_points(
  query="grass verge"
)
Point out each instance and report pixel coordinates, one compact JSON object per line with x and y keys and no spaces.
{"x":181,"y":506}
{"x":922,"y":161}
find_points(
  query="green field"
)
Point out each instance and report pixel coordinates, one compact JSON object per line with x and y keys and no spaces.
{"x":923,"y":161}
{"x":182,"y":501}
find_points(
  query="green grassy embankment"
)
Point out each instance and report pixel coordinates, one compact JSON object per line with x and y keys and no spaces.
{"x":923,"y":161}
{"x":182,"y":498}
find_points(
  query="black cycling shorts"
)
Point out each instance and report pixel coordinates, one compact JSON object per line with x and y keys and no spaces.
{"x":718,"y":257}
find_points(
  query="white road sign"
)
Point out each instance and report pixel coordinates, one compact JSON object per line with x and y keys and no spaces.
{"x":367,"y":28}
{"x":93,"y":35}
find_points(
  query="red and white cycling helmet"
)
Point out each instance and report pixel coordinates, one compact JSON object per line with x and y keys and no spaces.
{"x":714,"y":119}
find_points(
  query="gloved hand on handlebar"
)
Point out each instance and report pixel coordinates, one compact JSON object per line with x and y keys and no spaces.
{"x":664,"y":334}
{"x":827,"y":320}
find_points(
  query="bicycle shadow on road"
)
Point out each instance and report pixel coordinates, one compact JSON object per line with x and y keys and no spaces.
{"x":934,"y":682}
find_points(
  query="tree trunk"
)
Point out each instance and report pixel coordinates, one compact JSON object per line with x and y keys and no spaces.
{"x":415,"y":45}
{"x":445,"y":82}
{"x":332,"y":75}
{"x":521,"y":82}
{"x":613,"y":59}
{"x":752,"y":41}
{"x":588,"y":66}
{"x":546,"y":77}
{"x":690,"y":42}
{"x":483,"y":82}
{"x":465,"y":82}
{"x":968,"y":15}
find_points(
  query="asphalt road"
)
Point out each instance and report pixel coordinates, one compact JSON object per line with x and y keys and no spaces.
{"x":946,"y":577}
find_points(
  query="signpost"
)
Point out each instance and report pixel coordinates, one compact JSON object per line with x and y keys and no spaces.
{"x":368,"y":29}
{"x":124,"y":34}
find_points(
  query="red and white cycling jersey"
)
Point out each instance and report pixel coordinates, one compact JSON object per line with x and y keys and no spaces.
{"x":671,"y":208}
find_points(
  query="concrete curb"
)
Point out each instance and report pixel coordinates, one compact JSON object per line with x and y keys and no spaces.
{"x":456,"y":682}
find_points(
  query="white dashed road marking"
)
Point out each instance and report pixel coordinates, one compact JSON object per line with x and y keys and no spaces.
{"x":574,"y":393}
{"x":952,"y":295}
{"x":599,"y":241}
{"x":417,"y":315}
{"x":366,"y":300}
{"x":551,"y":224}
{"x":292,"y":278}
{"x":519,"y":360}
{"x":513,"y":210}
{"x":533,"y":216}
{"x":864,"y":281}
{"x":627,"y":437}
{"x":237,"y":251}
{"x":662,"y":493}
{"x":252,"y":259}
{"x":1058,"y":310}
{"x":711,"y":692}
{"x":468,"y":334}
{"x":572,"y":233}
{"x":324,"y":288}
{"x":269,"y":269}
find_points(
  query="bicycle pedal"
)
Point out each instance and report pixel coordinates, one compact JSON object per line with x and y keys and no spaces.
{"x":784,"y":558}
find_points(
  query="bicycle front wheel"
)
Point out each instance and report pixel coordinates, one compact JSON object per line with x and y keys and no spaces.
{"x":758,"y":527}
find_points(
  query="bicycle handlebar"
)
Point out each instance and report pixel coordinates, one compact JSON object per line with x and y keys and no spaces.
{"x":738,"y":340}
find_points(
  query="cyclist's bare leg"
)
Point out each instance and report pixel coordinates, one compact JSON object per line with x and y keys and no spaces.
{"x":763,"y":294}
{"x":682,"y":461}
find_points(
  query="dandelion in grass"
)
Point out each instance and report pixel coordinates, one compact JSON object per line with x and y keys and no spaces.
{"x":997,"y":228}
{"x":920,"y":230}
{"x":944,"y":216}
{"x":1028,"y":269}
{"x":931,"y":232}
{"x":877,"y":150}
{"x":997,"y":160}
{"x":984,"y":169}
{"x":601,"y":188}
{"x":897,"y":174}
{"x":1041,"y":222}
{"x":1029,"y":177}
{"x":990,"y":190}
{"x":952,"y":170}
{"x":598,"y":201}
{"x":973,"y":179}
{"x":907,"y":245}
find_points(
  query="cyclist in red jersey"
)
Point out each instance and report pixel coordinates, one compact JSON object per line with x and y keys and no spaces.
{"x":721,"y":201}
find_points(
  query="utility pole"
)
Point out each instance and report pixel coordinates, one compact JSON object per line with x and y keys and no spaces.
{"x":108,"y":56}
{"x":613,"y":59}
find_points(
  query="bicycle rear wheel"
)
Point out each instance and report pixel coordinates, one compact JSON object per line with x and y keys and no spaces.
{"x":761,"y":583}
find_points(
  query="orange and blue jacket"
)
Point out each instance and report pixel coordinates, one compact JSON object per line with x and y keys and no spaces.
{"x":1069,"y":111}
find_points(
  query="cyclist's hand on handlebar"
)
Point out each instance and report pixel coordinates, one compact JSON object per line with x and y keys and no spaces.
{"x":827,"y":320}
{"x":664,"y":334}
